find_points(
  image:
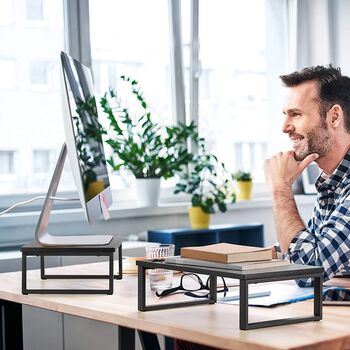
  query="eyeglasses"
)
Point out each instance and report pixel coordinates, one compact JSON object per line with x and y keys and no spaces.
{"x":191,"y":284}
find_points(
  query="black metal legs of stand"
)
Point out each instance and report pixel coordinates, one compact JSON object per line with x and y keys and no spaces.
{"x":11,"y":332}
{"x":119,"y":276}
{"x":43,"y":252}
{"x":243,"y":308}
{"x":243,"y":305}
{"x":318,"y":283}
{"x":120,"y":264}
{"x":26,"y":290}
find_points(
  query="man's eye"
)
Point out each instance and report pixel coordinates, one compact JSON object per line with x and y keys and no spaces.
{"x":294,"y":115}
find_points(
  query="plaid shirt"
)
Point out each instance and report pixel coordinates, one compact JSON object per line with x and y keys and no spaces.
{"x":326,"y":240}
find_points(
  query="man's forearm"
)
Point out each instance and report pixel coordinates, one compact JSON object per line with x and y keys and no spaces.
{"x":287,"y":218}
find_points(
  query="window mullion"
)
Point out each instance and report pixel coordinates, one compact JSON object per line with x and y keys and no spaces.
{"x":77,"y":30}
{"x":176,"y":62}
{"x":194,"y":62}
{"x":194,"y":65}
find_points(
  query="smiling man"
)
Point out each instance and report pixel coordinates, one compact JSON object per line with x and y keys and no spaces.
{"x":317,"y":121}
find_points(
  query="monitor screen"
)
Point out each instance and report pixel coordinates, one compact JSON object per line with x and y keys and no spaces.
{"x":84,"y":138}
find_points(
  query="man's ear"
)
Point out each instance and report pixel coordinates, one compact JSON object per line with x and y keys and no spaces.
{"x":335,"y":116}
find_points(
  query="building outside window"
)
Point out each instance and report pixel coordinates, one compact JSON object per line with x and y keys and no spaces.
{"x":31,"y":115}
{"x":34,"y":10}
{"x":7,"y":162}
{"x":43,"y":160}
{"x":8,"y":79}
{"x":39,"y":73}
{"x":6,"y":13}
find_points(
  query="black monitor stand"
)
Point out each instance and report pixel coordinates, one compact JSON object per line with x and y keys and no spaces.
{"x":35,"y":249}
{"x":46,"y":245}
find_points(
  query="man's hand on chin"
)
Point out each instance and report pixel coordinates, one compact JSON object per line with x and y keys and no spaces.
{"x":281,"y":170}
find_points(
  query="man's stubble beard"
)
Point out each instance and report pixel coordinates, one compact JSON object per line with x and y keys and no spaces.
{"x":317,"y":141}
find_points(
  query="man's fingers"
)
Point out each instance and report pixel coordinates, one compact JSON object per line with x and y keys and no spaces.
{"x":308,"y":160}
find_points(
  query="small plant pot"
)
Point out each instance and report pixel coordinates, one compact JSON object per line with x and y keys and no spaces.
{"x":147,"y":192}
{"x":198,"y":218}
{"x":244,"y":190}
{"x":94,"y":188}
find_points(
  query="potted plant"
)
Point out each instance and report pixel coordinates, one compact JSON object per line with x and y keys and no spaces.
{"x":139,"y":144}
{"x":208,"y":183}
{"x":244,"y":182}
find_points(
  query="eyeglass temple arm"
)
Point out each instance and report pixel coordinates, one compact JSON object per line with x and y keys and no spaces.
{"x":166,"y":292}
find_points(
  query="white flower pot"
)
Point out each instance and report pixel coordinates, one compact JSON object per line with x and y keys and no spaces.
{"x":147,"y":192}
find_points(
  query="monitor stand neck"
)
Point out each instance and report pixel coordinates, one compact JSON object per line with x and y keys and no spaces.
{"x":42,"y":236}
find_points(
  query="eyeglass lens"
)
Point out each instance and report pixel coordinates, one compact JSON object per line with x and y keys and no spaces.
{"x":191,"y":283}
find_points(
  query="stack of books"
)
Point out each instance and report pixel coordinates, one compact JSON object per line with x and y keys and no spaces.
{"x":228,"y":256}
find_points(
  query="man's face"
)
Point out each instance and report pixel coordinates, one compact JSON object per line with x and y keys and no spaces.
{"x":307,"y":130}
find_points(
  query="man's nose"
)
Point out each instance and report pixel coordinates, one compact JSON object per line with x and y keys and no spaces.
{"x":287,"y":126}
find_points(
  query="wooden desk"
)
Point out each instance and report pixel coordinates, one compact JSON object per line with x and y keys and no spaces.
{"x":215,"y":325}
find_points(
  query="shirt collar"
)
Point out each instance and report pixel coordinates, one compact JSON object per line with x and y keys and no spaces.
{"x":338,"y":178}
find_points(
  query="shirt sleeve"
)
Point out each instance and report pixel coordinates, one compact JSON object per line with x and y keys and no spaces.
{"x":328,"y":246}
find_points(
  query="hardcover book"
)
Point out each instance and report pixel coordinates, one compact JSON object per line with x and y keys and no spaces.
{"x":227,"y":253}
{"x":239,"y":266}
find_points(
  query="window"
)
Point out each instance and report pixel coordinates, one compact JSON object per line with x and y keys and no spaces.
{"x":7,"y":73}
{"x":34,"y":10}
{"x":31,"y":120}
{"x":43,"y":161}
{"x":7,"y":162}
{"x":38,"y":73}
{"x":6,"y":12}
{"x":42,"y":75}
{"x":232,"y":97}
{"x":141,"y":52}
{"x":132,"y":39}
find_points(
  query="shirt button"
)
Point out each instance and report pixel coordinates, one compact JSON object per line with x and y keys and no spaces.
{"x":333,"y":188}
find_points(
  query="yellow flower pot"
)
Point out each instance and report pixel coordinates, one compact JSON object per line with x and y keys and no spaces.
{"x":244,"y":190}
{"x":198,"y":218}
{"x":95,"y":187}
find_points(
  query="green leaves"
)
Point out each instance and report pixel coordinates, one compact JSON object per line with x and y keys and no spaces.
{"x":240,"y":175}
{"x":151,"y":151}
{"x":140,"y":144}
{"x":208,"y":182}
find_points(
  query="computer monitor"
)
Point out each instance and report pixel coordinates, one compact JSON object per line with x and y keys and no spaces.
{"x":84,"y":147}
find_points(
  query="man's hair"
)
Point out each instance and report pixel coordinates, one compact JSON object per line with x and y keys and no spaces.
{"x":333,"y":88}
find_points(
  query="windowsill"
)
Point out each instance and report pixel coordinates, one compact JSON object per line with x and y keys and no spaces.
{"x":182,"y":207}
{"x":130,"y":211}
